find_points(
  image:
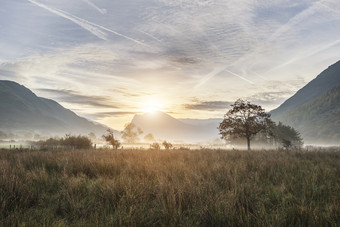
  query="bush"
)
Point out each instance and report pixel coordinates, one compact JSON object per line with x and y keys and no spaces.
{"x":155,"y":146}
{"x":73,"y":142}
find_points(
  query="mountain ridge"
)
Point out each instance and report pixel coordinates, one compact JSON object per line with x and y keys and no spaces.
{"x":21,"y":109}
{"x":163,"y":126}
{"x":315,"y":109}
{"x":323,"y":82}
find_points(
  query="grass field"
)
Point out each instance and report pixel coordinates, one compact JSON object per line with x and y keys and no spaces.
{"x":176,"y":188}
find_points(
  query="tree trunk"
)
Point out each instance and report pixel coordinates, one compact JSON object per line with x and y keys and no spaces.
{"x":248,"y":143}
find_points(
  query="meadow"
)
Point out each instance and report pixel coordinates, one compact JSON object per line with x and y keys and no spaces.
{"x":170,"y":188}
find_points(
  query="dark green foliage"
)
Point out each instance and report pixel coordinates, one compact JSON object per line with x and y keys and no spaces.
{"x":315,"y":109}
{"x":178,"y":188}
{"x":318,"y":119}
{"x":287,"y":136}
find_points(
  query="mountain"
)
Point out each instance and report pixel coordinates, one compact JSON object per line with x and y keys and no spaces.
{"x":22,"y":110}
{"x":315,"y":109}
{"x":165,"y":127}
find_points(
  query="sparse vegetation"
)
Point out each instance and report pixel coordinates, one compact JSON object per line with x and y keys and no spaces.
{"x":155,"y":146}
{"x":178,"y":188}
{"x":110,"y":139}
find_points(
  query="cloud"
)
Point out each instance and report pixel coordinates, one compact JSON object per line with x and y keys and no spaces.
{"x":128,"y":93}
{"x":81,"y":22}
{"x":99,"y":115}
{"x":74,"y":97}
{"x":208,"y":105}
{"x":102,"y":11}
{"x":186,"y":3}
{"x":95,"y":29}
{"x":8,"y":72}
{"x":260,"y":50}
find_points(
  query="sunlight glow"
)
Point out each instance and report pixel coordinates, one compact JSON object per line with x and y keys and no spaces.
{"x":151,"y":106}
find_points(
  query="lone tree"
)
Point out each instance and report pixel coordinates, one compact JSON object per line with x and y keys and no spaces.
{"x":110,"y":139}
{"x":167,"y":145}
{"x":149,"y":137}
{"x":245,"y":120}
{"x":130,"y":133}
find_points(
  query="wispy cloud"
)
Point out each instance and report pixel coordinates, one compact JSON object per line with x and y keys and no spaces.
{"x":125,"y":52}
{"x":102,"y":11}
{"x":81,"y":22}
{"x":241,"y":77}
{"x":210,"y":75}
{"x":208,"y":105}
{"x":99,"y":115}
{"x":95,"y":29}
{"x":70,"y":96}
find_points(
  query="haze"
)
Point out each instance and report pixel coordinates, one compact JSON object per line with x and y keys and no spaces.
{"x":108,"y":60}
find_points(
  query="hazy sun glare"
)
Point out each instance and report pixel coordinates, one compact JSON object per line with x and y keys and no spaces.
{"x":151,"y":105}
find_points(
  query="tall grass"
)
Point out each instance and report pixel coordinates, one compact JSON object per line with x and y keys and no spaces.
{"x":157,"y":188}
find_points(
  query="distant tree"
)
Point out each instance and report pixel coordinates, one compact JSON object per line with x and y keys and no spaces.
{"x":78,"y":142}
{"x":245,"y":120}
{"x":130,"y":133}
{"x":287,"y":136}
{"x":110,"y":139}
{"x":149,"y":137}
{"x":155,"y":146}
{"x":69,"y":141}
{"x":92,"y":136}
{"x":37,"y":137}
{"x":167,"y":145}
{"x":3,"y":135}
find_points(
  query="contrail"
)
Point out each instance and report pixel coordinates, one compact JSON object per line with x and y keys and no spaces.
{"x":311,"y":53}
{"x":114,"y":32}
{"x":217,"y":71}
{"x":151,"y":36}
{"x":241,"y":77}
{"x":298,"y":18}
{"x":209,"y":76}
{"x":102,"y":11}
{"x":95,"y":29}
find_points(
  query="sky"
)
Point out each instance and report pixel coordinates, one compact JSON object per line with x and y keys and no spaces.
{"x":110,"y":59}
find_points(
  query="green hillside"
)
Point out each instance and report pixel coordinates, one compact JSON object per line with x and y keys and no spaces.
{"x":318,"y":119}
{"x":315,"y":109}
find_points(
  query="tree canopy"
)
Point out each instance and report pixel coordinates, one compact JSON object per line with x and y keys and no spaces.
{"x":287,"y":136}
{"x":130,"y":133}
{"x":245,"y":120}
{"x":110,"y":139}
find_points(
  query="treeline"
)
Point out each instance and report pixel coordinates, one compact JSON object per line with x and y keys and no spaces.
{"x":282,"y":136}
{"x":69,"y":141}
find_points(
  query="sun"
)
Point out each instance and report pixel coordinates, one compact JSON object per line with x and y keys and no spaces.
{"x":151,"y":106}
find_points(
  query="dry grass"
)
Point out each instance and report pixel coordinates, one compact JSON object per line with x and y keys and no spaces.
{"x":176,"y":188}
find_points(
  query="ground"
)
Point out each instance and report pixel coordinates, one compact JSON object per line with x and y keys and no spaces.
{"x":177,"y":187}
